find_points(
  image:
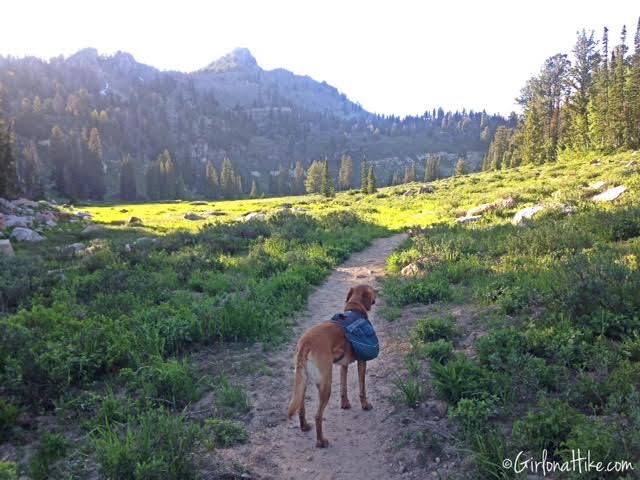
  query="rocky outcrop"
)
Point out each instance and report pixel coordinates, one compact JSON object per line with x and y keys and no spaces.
{"x":6,"y":248}
{"x":610,"y":195}
{"x":522,"y":216}
{"x":21,"y":234}
{"x":254,"y":216}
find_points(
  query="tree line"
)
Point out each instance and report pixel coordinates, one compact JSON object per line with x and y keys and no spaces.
{"x":588,"y":102}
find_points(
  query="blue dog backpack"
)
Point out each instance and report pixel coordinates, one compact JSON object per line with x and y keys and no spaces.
{"x":360,"y":333}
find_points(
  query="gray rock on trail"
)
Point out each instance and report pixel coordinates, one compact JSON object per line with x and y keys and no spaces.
{"x":610,"y":195}
{"x":21,"y":234}
{"x":468,"y":219}
{"x":521,"y":217}
{"x":6,"y":248}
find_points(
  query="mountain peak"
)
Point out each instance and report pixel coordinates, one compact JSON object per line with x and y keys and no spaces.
{"x":239,"y":59}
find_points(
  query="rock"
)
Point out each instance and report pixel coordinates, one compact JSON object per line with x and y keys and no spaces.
{"x":51,"y":223}
{"x":597,"y":186}
{"x":6,"y":248}
{"x":468,"y":219}
{"x":46,"y":218}
{"x":526,"y":214}
{"x":408,"y":193}
{"x":193,"y":216}
{"x":134,"y":221}
{"x":426,"y":189}
{"x":92,"y":229}
{"x":411,"y":270}
{"x":127,"y":248}
{"x":435,"y":408}
{"x":3,"y":222}
{"x":16,"y":221}
{"x":6,"y":205}
{"x":124,"y":210}
{"x":216,"y":213}
{"x":22,"y":234}
{"x":76,"y":249}
{"x":481,"y":209}
{"x":83,"y":215}
{"x":509,"y":202}
{"x":23,"y":202}
{"x":610,"y":195}
{"x":254,"y":216}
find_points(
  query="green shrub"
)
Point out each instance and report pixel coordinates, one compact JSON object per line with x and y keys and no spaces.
{"x":546,"y":427}
{"x":409,"y":391}
{"x":430,"y":329}
{"x":8,"y":415}
{"x":52,"y":447}
{"x":463,"y":378}
{"x":595,"y":438}
{"x":155,"y":445}
{"x":8,"y":470}
{"x":472,"y":415}
{"x":225,"y":432}
{"x":231,"y":401}
{"x":431,"y":288}
{"x":171,"y":382}
{"x":440,"y":351}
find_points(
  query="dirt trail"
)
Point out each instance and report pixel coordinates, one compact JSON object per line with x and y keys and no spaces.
{"x":360,"y":441}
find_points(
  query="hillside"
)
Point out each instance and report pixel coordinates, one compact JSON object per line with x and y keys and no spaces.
{"x":166,"y":323}
{"x":233,"y":108}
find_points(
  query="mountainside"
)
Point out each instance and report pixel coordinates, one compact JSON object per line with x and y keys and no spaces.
{"x":231,"y":108}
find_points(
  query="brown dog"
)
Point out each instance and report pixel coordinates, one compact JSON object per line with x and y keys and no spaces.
{"x":318,"y":349}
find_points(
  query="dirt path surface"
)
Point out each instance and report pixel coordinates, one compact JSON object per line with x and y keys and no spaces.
{"x":360,"y":441}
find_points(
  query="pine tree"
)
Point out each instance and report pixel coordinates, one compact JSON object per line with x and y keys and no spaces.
{"x":58,"y":154}
{"x":634,"y":93}
{"x":410,"y":173}
{"x":211,"y":182}
{"x":431,"y":168}
{"x":495,"y":155}
{"x":326,"y":185}
{"x":228,"y":185}
{"x":371,"y":181}
{"x":460,"y":168}
{"x":239,"y":188}
{"x":8,"y":176}
{"x":599,"y":110}
{"x":364,"y":173}
{"x":254,"y":190}
{"x":345,"y":175}
{"x":313,"y":183}
{"x":152,"y":179}
{"x":283,"y":180}
{"x":31,"y":182}
{"x":298,"y":179}
{"x":533,"y":149}
{"x":93,"y":167}
{"x":128,"y":187}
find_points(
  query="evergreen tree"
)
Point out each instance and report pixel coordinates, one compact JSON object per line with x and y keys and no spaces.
{"x":497,"y":149}
{"x":8,"y":176}
{"x":410,"y":173}
{"x":93,"y":168}
{"x":239,"y":188}
{"x":634,"y":93}
{"x":431,"y":168}
{"x":254,"y":190}
{"x":228,"y":185}
{"x":345,"y":175}
{"x":460,"y":168}
{"x":283,"y":180}
{"x":58,"y":154}
{"x":396,"y":179}
{"x":533,"y":150}
{"x":152,"y":179}
{"x":326,"y":185}
{"x":128,"y":187}
{"x":211,"y":182}
{"x":599,"y":115}
{"x":298,"y":179}
{"x":31,"y":183}
{"x":371,"y":181}
{"x":313,"y":183}
{"x":364,"y":173}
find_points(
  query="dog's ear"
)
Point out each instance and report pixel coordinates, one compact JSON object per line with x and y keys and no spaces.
{"x":349,"y":294}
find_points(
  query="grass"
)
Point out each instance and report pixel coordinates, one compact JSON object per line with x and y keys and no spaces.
{"x":110,"y":335}
{"x":561,"y":314}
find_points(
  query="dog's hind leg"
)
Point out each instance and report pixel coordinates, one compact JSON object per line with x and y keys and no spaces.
{"x":362,"y":370}
{"x":344,"y":399}
{"x":304,"y":426}
{"x":324,"y":390}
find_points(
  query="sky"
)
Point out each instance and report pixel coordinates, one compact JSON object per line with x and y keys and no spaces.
{"x":396,"y":57}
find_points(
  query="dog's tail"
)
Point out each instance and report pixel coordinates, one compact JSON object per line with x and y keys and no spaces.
{"x":300,"y":380}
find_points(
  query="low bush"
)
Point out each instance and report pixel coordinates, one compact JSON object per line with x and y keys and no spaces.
{"x":472,"y":415}
{"x":440,"y":351}
{"x":51,"y":449}
{"x":431,"y":329}
{"x":226,"y":433}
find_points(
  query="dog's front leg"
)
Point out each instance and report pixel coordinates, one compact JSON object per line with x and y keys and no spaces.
{"x":344,"y":399}
{"x":362,"y":370}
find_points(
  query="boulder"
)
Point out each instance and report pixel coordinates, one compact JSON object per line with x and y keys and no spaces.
{"x":254,"y":216}
{"x":481,"y":209}
{"x":610,"y":195}
{"x":426,"y":189}
{"x":193,"y":216}
{"x":509,"y":202}
{"x":21,"y":234}
{"x":468,"y":219}
{"x":6,"y":248}
{"x":411,"y":270}
{"x":46,"y":217}
{"x":133,"y":221}
{"x":92,"y":229}
{"x":525,"y":214}
{"x":17,"y":221}
{"x":75,"y":249}
{"x":597,"y":186}
{"x":6,"y":205}
{"x":24,"y":202}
